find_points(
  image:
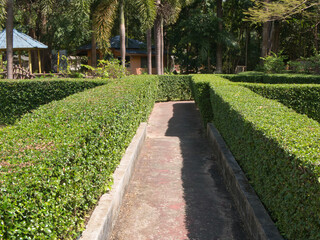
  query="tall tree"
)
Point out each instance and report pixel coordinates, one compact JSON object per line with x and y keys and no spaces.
{"x":167,"y":13}
{"x":9,"y":35}
{"x":270,"y":13}
{"x":158,"y":37}
{"x":149,"y":50}
{"x":104,"y":16}
{"x":122,"y":34}
{"x":147,"y":14}
{"x":219,"y":43}
{"x":103,"y":12}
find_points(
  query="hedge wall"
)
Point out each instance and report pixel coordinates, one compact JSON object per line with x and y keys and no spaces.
{"x":57,"y":161}
{"x":200,"y":91}
{"x":273,"y":78}
{"x":174,"y":87}
{"x":304,"y":99}
{"x":278,"y":150}
{"x":18,"y":97}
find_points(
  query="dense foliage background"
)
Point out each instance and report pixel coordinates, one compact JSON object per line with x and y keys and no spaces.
{"x":193,"y":32}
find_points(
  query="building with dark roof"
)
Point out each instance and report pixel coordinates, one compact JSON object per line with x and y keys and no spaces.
{"x":136,"y":54}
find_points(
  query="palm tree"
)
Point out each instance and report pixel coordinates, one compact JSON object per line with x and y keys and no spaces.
{"x":158,"y":37}
{"x":167,"y":13}
{"x":149,"y":50}
{"x":147,"y":10}
{"x":104,"y":12}
{"x":9,"y":34}
{"x":122,"y":34}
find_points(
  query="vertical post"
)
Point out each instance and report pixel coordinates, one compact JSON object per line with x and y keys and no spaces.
{"x":58,"y":62}
{"x":1,"y":60}
{"x":30,"y":62}
{"x":9,"y":38}
{"x":39,"y":61}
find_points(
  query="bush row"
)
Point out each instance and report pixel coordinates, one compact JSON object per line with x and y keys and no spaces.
{"x":273,"y":78}
{"x":18,"y":97}
{"x":174,"y":87}
{"x":201,"y":94}
{"x":278,"y":150}
{"x":58,"y":160}
{"x":304,"y":98}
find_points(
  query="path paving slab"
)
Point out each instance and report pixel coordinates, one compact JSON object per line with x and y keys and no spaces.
{"x":177,"y":191}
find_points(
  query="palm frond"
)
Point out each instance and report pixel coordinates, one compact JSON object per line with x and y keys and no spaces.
{"x":103,"y":20}
{"x":3,"y":11}
{"x":148,"y":11}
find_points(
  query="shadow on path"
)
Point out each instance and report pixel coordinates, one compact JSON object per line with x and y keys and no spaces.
{"x":209,"y":211}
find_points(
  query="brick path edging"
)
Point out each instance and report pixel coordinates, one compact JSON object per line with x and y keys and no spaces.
{"x":104,"y":215}
{"x":256,"y":219}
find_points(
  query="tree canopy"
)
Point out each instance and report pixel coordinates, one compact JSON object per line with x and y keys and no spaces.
{"x":192,"y":30}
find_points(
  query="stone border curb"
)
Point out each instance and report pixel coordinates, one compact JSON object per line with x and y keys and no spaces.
{"x":106,"y":212}
{"x":256,"y":219}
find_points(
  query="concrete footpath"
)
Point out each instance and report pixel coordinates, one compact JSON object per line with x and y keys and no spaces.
{"x":177,"y":192}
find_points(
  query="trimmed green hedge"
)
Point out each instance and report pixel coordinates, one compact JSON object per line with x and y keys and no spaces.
{"x":304,"y":98}
{"x":273,"y":78}
{"x":58,"y":160}
{"x":18,"y":97}
{"x":174,"y":87}
{"x":278,"y":150}
{"x":200,"y":91}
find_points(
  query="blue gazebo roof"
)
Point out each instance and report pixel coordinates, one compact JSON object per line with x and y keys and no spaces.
{"x":21,"y":41}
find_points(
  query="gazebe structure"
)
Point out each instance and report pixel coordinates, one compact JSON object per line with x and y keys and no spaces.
{"x":22,"y":42}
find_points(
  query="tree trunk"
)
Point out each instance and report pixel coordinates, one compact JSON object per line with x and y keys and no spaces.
{"x":122,"y":35}
{"x":157,"y":36}
{"x":270,"y":38}
{"x":219,"y":44}
{"x":276,"y":37}
{"x":162,"y":47}
{"x":34,"y":55}
{"x":208,"y":60}
{"x":158,"y":45}
{"x":187,"y":71}
{"x":247,"y":46}
{"x":149,"y":48}
{"x":9,"y":38}
{"x":93,"y":49}
{"x":316,"y":44}
{"x":265,"y":37}
{"x":170,"y":69}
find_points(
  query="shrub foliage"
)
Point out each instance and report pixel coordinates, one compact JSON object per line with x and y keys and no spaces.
{"x":18,"y":97}
{"x":273,"y":78}
{"x":58,"y":160}
{"x":278,"y":150}
{"x":304,"y":99}
{"x":174,"y":87}
{"x":200,"y":91}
